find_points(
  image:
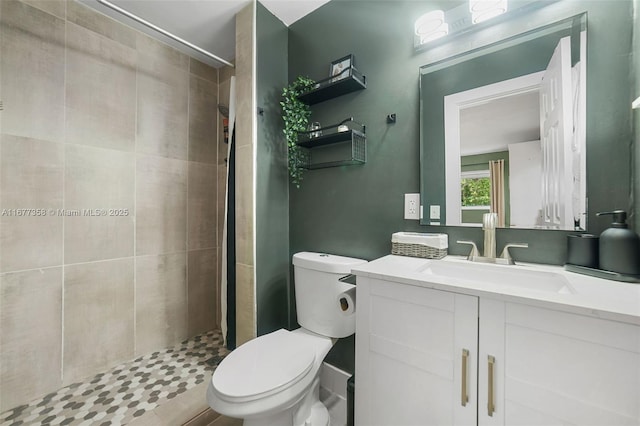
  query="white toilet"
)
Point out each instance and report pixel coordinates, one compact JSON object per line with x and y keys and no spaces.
{"x":274,"y":379}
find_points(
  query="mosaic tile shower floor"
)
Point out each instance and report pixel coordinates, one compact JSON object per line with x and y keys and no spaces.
{"x":126,"y":391}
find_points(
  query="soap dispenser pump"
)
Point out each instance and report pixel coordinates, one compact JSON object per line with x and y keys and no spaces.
{"x":619,"y":246}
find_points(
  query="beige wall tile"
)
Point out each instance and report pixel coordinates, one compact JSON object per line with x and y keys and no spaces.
{"x":202,"y":206}
{"x":157,"y":56}
{"x":161,"y":301}
{"x":54,"y":7}
{"x":31,"y":177}
{"x":225,"y":73}
{"x":161,"y":203}
{"x":203,"y":117}
{"x":244,"y":205}
{"x":31,"y":72}
{"x":202,"y":274}
{"x":100,"y":91}
{"x":246,"y":304}
{"x":98,"y":317}
{"x":245,"y":119}
{"x":98,"y":179}
{"x":162,"y":100}
{"x":101,"y":24}
{"x":203,"y":70}
{"x":244,"y":115}
{"x":30,"y":335}
{"x":162,"y":121}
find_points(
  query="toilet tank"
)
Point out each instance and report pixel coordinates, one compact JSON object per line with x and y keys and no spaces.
{"x":321,"y":303}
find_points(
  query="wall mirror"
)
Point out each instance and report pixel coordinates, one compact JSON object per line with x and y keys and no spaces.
{"x":502,"y":126}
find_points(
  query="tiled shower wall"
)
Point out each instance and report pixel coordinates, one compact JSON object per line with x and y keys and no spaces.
{"x":110,"y":137}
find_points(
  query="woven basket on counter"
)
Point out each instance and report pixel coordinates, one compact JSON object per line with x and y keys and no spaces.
{"x":428,"y":246}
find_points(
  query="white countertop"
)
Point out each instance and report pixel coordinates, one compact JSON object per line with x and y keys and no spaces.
{"x":592,"y":296}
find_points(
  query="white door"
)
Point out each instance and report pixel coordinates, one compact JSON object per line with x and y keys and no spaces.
{"x":556,"y":128}
{"x":525,"y":198}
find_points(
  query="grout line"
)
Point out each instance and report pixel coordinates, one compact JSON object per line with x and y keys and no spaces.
{"x":135,"y":207}
{"x":186,"y":273}
{"x":62,"y":265}
{"x":218,"y":279}
{"x":64,"y":182}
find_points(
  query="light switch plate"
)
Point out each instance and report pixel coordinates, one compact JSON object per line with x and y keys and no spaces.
{"x":434,"y":212}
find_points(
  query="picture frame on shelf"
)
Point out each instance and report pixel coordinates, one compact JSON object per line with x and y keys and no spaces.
{"x":340,"y":68}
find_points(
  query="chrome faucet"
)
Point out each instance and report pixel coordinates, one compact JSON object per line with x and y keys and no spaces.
{"x":506,"y":256}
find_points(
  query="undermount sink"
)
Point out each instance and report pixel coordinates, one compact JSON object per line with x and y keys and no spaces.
{"x":510,"y":276}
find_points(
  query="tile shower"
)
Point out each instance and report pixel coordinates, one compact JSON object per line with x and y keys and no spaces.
{"x":110,"y":137}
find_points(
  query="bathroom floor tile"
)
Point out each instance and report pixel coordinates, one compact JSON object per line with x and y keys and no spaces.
{"x":126,"y":391}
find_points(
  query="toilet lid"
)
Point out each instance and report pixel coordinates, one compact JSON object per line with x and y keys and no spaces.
{"x":263,"y":366}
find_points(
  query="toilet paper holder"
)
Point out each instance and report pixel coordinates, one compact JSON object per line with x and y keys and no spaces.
{"x":349,"y":279}
{"x":347,"y":299}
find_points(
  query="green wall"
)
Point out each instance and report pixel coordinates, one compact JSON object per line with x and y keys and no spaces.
{"x":353,"y":210}
{"x":272,"y":188}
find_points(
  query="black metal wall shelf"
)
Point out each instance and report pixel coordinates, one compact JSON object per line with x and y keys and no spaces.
{"x":329,"y":139}
{"x":337,"y":134}
{"x":350,"y":80}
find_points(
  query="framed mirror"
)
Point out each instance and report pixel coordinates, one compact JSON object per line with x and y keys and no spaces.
{"x":502,"y":128}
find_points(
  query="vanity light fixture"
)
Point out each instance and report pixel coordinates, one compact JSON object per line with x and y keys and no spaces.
{"x":431,"y":26}
{"x":482,"y":10}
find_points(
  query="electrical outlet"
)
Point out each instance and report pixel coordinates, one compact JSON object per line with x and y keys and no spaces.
{"x":412,"y":206}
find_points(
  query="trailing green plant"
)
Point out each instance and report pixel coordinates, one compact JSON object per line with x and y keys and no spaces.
{"x":295,"y":114}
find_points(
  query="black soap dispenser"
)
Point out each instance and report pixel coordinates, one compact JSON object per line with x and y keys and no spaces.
{"x":619,"y":246}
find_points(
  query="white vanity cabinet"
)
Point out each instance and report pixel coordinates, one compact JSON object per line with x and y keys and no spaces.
{"x":420,"y":351}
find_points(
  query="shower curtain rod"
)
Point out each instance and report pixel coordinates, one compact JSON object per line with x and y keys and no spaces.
{"x":163,"y":32}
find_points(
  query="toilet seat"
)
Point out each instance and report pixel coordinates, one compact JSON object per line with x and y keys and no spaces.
{"x":263,"y":367}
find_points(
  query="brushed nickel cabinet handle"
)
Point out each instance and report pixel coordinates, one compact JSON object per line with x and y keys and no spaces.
{"x":464,"y":397}
{"x":491,"y":407}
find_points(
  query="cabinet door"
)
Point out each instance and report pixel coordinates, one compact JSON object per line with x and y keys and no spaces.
{"x":559,"y":368}
{"x":415,"y":356}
